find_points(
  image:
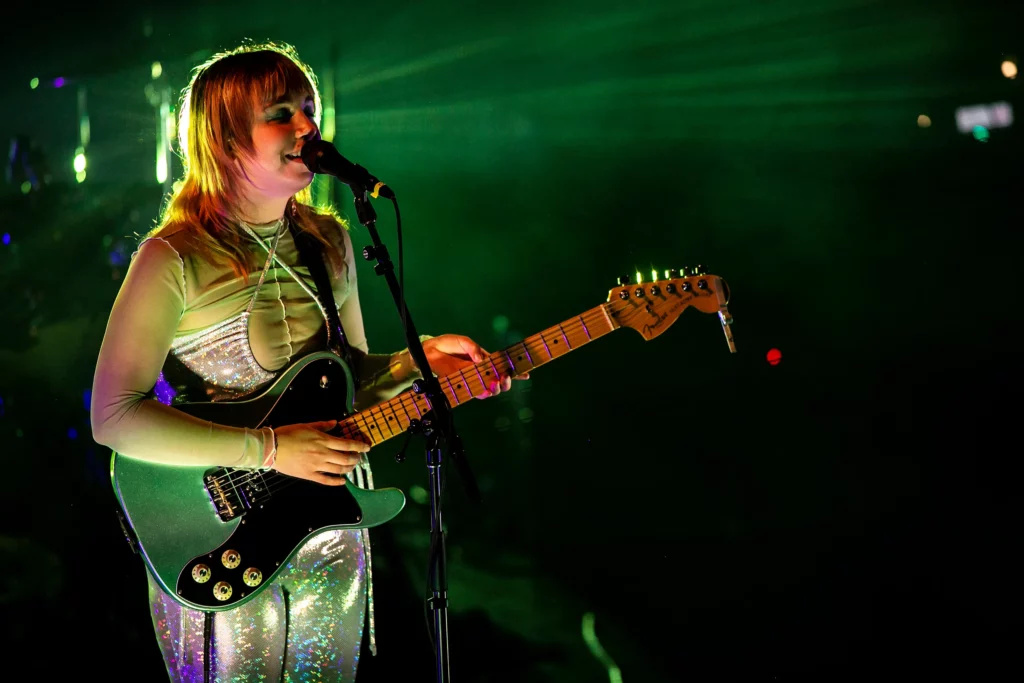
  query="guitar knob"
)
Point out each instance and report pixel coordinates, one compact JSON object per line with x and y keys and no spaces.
{"x":222,"y":590}
{"x":624,"y":280}
{"x":702,"y":284}
{"x":252,"y":577}
{"x":201,"y":573}
{"x":231,"y":559}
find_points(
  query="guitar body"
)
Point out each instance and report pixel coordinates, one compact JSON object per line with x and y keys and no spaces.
{"x":214,"y":538}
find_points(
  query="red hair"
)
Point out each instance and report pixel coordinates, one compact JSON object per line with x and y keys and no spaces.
{"x":215,"y":120}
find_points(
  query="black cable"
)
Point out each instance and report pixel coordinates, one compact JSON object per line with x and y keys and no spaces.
{"x":401,"y":266}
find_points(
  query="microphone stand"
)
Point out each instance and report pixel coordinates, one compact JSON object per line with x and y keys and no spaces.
{"x":438,"y":428}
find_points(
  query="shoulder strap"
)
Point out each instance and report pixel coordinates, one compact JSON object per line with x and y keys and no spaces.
{"x":311,"y":253}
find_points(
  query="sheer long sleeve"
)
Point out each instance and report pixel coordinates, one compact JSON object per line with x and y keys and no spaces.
{"x":139,"y":332}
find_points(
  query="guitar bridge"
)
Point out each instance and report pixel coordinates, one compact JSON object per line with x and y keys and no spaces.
{"x":233,"y":492}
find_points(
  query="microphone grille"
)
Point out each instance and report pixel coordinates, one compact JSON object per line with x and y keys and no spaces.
{"x":311,"y":154}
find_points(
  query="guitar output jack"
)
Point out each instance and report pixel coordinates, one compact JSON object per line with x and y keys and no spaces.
{"x":222,"y":590}
{"x":252,"y":577}
{"x":200,"y":573}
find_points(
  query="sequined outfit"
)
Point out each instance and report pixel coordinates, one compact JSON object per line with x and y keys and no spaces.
{"x":308,"y":624}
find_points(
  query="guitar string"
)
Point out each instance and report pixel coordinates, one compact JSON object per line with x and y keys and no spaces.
{"x":361,"y":422}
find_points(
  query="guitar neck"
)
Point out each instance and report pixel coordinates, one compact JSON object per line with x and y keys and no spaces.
{"x":391,"y":418}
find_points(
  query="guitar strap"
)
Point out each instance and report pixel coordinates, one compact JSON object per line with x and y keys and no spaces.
{"x":312,"y":255}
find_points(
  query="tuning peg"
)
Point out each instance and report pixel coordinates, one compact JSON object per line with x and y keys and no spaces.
{"x":687,"y":271}
{"x":624,"y":280}
{"x":699,"y":270}
{"x":671,"y":274}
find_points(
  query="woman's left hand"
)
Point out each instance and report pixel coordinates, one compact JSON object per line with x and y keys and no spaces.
{"x":448,"y":353}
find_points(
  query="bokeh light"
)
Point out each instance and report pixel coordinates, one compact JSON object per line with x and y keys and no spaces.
{"x":1009,"y":69}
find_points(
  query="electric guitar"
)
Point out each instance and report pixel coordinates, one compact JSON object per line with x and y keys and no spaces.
{"x":214,"y":538}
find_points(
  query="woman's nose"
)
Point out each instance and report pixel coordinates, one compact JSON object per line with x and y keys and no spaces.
{"x":306,"y":128}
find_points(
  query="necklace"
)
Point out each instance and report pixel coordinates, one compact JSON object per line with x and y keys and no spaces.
{"x":270,"y":250}
{"x":288,"y":269}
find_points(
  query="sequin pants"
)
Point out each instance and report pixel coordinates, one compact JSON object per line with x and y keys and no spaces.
{"x":306,"y":626}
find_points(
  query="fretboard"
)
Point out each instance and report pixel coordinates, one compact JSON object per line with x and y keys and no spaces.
{"x":391,"y":418}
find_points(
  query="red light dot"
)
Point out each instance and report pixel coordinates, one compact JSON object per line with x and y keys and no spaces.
{"x":774,"y":357}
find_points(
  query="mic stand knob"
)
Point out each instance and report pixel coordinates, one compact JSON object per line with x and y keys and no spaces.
{"x":415,"y":427}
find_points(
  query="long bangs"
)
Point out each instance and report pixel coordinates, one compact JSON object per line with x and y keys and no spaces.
{"x":285,"y":76}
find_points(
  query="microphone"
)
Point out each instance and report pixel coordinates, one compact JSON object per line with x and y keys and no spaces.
{"x":320,"y":156}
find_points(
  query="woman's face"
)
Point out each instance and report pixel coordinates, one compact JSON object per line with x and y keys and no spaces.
{"x":279,"y":130}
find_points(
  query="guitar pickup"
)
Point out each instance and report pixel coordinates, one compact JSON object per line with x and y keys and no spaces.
{"x":232,"y":492}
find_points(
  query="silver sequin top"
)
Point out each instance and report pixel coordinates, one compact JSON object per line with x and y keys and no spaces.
{"x":221,"y":355}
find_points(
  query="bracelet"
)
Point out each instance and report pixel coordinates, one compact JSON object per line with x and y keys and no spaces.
{"x":270,"y":458}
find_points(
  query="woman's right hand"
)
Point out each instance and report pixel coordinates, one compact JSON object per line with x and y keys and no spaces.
{"x":306,"y":451}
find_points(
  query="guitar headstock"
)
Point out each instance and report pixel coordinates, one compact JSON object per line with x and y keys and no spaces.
{"x":651,"y":307}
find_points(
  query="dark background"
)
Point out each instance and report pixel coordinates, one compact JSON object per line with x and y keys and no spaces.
{"x":847,"y":513}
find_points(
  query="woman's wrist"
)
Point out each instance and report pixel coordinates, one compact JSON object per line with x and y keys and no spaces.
{"x":402,"y":366}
